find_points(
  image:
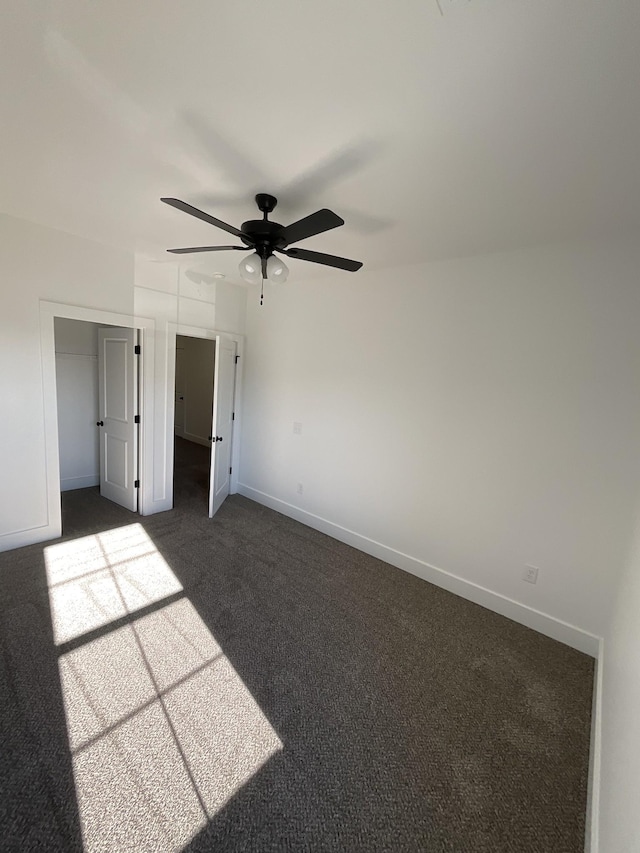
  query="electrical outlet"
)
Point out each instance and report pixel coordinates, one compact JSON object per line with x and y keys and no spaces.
{"x":530,"y":574}
{"x":299,"y":488}
{"x":297,"y":428}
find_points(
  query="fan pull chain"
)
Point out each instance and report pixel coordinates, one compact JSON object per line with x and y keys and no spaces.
{"x":261,"y":291}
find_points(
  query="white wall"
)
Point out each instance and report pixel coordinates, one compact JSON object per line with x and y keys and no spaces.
{"x":38,"y":263}
{"x":196,"y":386}
{"x":77,"y":391}
{"x":477,"y":415}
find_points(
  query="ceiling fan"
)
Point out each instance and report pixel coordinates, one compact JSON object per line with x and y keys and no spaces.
{"x":266,"y":237}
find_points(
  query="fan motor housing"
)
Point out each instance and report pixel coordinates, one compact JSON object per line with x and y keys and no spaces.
{"x":261,"y":232}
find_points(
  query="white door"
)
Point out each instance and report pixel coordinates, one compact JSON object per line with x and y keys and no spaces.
{"x":224,"y":378}
{"x":118,"y":407}
{"x":178,"y":420}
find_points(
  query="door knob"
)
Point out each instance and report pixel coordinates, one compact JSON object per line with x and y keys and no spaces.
{"x":99,"y":423}
{"x":218,"y":438}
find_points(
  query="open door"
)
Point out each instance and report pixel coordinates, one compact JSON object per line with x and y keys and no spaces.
{"x":118,"y":408}
{"x":222,"y":427}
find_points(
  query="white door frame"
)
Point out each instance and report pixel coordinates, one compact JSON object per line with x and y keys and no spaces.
{"x":48,"y":312}
{"x":173,"y":330}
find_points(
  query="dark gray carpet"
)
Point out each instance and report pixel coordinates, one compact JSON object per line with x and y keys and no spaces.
{"x":295,"y":695}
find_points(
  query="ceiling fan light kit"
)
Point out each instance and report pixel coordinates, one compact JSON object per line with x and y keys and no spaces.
{"x":266,"y":237}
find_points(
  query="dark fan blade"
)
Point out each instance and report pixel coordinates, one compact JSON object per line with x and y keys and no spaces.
{"x":315,"y":223}
{"x":199,"y":214}
{"x":321,"y":258}
{"x":207,"y":249}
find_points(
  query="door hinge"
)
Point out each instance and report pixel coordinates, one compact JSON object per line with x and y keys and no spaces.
{"x":136,"y":484}
{"x":233,"y":416}
{"x":237,"y":357}
{"x":137,"y":349}
{"x":230,"y":470}
{"x":136,"y":420}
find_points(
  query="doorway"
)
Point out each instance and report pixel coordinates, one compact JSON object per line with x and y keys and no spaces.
{"x":204,"y":396}
{"x":195,"y":367}
{"x":97,"y":408}
{"x":153,"y":488}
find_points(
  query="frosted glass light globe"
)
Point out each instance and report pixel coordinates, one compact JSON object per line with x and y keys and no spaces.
{"x":277,"y":270}
{"x":251,"y":268}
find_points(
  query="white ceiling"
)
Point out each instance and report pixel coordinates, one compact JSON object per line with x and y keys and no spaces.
{"x":496,"y":125}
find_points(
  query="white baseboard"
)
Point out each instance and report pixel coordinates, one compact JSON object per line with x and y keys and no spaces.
{"x":196,"y":439}
{"x":85,"y":482}
{"x":564,"y":632}
{"x":593,"y":791}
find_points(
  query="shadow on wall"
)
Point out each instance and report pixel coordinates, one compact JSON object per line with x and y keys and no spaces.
{"x":240,"y":684}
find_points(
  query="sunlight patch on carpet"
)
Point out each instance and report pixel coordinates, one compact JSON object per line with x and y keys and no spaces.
{"x":97,"y":579}
{"x":161,"y":728}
